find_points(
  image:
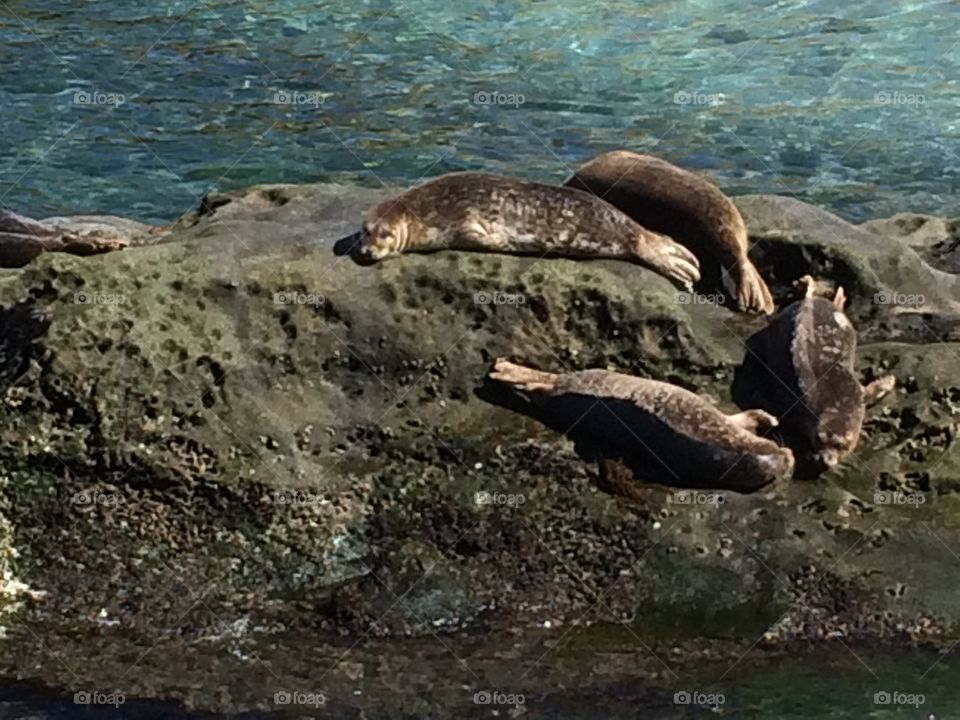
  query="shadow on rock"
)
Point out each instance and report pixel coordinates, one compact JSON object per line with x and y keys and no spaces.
{"x":20,"y":327}
{"x":350,"y":246}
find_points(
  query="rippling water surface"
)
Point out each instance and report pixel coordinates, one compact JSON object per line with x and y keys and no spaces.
{"x":852,"y":105}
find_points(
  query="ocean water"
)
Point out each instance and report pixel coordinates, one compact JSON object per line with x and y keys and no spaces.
{"x":140,"y":108}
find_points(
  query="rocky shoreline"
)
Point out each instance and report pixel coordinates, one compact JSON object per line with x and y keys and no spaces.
{"x":225,"y":438}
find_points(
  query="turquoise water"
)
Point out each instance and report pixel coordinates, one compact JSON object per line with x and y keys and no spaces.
{"x":781,"y":97}
{"x":849,"y":105}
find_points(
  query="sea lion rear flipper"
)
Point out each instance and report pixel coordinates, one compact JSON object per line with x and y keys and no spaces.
{"x":839,"y":299}
{"x":808,"y":285}
{"x":875,"y":391}
{"x":523,"y":378}
{"x":744,"y":282}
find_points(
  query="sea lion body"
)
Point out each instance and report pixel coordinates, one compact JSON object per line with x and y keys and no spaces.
{"x":489,"y":213}
{"x":22,"y":239}
{"x":688,"y":208}
{"x":666,"y":433}
{"x":800,"y":368}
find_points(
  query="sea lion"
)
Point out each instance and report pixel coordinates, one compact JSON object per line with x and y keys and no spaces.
{"x":22,"y":239}
{"x":490,"y":213}
{"x":800,"y":368}
{"x":663,"y":433}
{"x":685,"y":206}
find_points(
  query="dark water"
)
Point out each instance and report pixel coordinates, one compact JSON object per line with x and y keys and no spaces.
{"x":850,"y":105}
{"x":837,"y":683}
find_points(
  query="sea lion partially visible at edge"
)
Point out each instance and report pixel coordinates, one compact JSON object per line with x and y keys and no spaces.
{"x":22,"y":239}
{"x":665,"y":434}
{"x":685,"y":206}
{"x":800,"y":368}
{"x":490,"y":213}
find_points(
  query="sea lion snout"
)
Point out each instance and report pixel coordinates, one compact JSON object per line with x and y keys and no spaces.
{"x":378,"y":239}
{"x":834,"y":443}
{"x":828,"y":456}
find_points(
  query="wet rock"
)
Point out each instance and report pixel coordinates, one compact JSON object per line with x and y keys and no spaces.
{"x":155,"y":448}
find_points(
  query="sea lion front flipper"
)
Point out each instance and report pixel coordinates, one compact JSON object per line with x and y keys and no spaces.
{"x":875,"y":391}
{"x":616,"y":478}
{"x":755,"y":421}
{"x":749,"y":288}
{"x":669,"y":258}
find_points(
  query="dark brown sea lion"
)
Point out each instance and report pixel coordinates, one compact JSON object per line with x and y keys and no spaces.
{"x":800,"y":368}
{"x":489,"y":213}
{"x":665,"y":434}
{"x":676,"y":202}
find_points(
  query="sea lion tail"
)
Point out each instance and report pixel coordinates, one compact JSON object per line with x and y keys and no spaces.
{"x":744,"y":282}
{"x":522,"y":378}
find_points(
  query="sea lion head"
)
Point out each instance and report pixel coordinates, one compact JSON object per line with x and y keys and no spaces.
{"x":840,"y":421}
{"x":386,"y":231}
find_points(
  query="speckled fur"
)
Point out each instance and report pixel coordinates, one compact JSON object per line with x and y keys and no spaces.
{"x":481,"y":212}
{"x":681,"y":438}
{"x":800,"y":368}
{"x":685,"y":206}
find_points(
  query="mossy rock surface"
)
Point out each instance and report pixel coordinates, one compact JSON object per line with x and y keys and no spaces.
{"x":190,"y":461}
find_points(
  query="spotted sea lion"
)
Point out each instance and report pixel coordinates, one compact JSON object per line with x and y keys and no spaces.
{"x":490,"y":213}
{"x":685,"y":206}
{"x":800,"y":368}
{"x":22,"y":239}
{"x":663,"y":433}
